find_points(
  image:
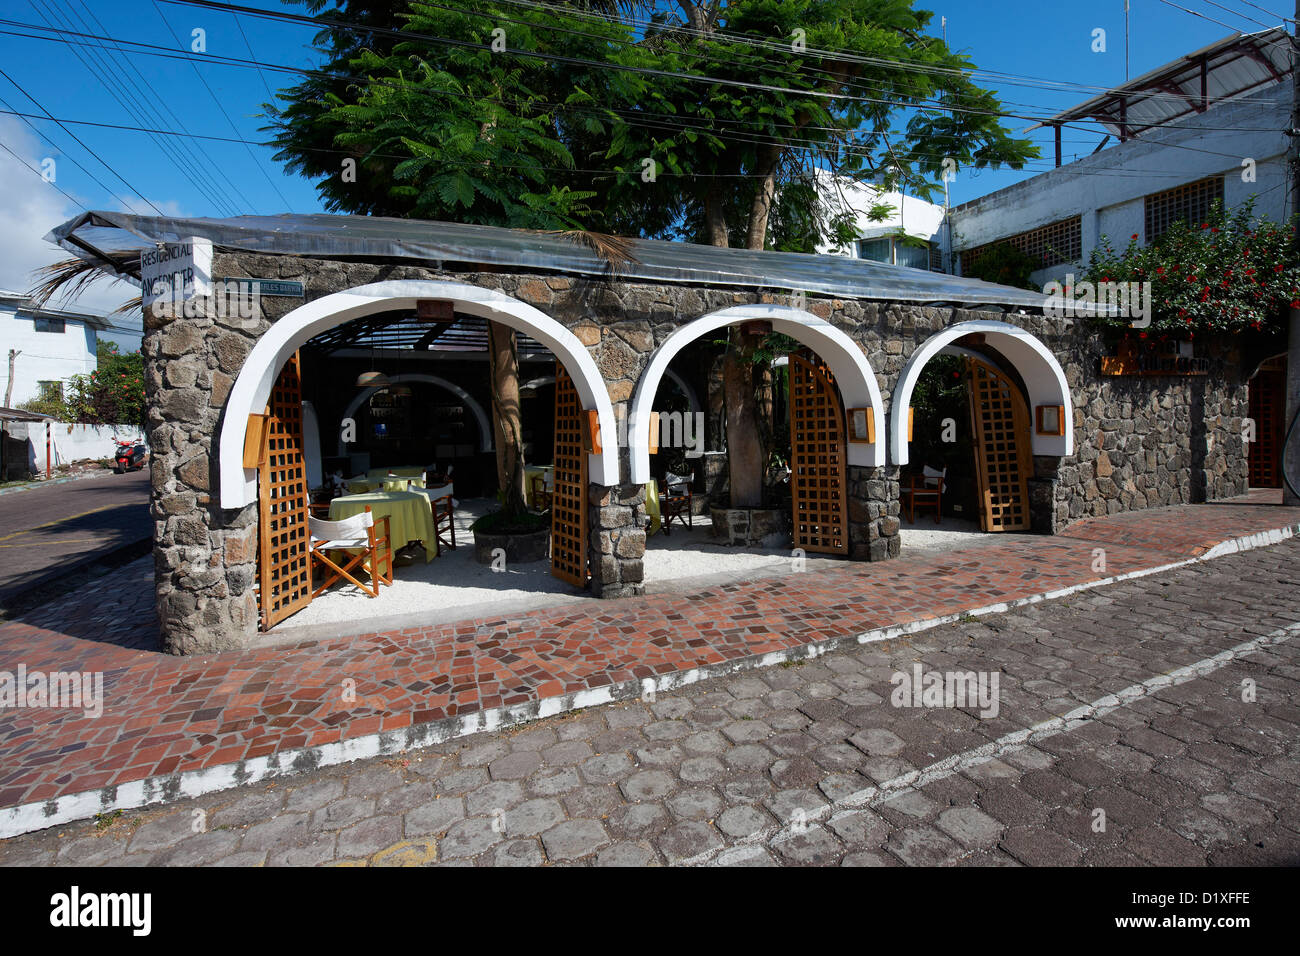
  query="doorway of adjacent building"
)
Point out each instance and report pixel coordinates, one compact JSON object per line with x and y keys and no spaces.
{"x":1267,"y":394}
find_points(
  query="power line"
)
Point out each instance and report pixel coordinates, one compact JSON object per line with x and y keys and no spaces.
{"x":43,"y":179}
{"x":71,"y":158}
{"x":1203,"y":16}
{"x":231,"y":122}
{"x":121,"y":96}
{"x":200,"y":158}
{"x":101,"y":161}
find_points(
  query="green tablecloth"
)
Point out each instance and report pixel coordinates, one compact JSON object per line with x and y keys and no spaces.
{"x":409,"y":516}
{"x":529,"y":472}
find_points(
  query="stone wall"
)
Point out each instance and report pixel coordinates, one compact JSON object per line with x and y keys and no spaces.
{"x":1139,"y":442}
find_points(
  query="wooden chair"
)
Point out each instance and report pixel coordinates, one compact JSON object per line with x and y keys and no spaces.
{"x":542,"y":488}
{"x":676,"y":502}
{"x":444,"y":523}
{"x":355,"y":533}
{"x":924,"y":491}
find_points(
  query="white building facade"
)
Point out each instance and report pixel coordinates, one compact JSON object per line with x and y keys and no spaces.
{"x":52,"y":345}
{"x":1207,"y":127}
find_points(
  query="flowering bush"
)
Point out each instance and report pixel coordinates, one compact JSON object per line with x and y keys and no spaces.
{"x":113,"y":394}
{"x":1227,"y":273}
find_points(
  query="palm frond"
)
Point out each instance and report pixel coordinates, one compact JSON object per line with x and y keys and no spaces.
{"x":615,"y":251}
{"x":68,"y":278}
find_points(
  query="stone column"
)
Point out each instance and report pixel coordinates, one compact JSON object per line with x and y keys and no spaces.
{"x":1047,"y":515}
{"x":874,"y":509}
{"x":204,"y":557}
{"x":616,"y":520}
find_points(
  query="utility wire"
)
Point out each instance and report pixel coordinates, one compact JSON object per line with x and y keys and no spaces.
{"x":233,"y":128}
{"x":102,"y":162}
{"x":43,"y":179}
{"x":121,"y":96}
{"x":200,"y":158}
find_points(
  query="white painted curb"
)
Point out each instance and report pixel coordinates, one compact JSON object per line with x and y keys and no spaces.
{"x":194,"y":783}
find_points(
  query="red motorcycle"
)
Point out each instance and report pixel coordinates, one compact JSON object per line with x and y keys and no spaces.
{"x":130,"y":456}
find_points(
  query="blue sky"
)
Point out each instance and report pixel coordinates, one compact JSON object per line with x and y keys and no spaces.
{"x":1039,"y":39}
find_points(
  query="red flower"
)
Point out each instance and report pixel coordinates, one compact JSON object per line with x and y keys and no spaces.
{"x":1142,"y":335}
{"x":1278,"y":267}
{"x":1135,"y":235}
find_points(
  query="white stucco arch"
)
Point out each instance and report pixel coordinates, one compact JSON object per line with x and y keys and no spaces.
{"x":252,"y":388}
{"x":475,"y":409}
{"x":853,"y":375}
{"x":1038,"y":367}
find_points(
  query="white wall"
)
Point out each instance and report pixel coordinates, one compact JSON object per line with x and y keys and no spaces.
{"x":82,"y":442}
{"x":46,"y":356}
{"x":1107,"y":189}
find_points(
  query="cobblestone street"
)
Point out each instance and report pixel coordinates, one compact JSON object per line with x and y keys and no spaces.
{"x":1182,"y":747}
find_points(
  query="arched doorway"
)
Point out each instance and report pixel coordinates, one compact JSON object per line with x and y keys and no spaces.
{"x":804,"y":505}
{"x":270,"y":379}
{"x":1017,"y":404}
{"x":477,"y":410}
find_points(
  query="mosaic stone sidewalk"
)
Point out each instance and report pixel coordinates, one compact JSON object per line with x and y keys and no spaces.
{"x":165,"y":716}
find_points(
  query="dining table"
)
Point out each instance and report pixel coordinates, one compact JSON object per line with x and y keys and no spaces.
{"x":409,"y":516}
{"x":376,"y":478}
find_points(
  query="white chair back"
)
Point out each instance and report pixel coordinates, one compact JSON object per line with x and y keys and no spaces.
{"x":933,"y":477}
{"x":674,"y":482}
{"x":349,"y":529}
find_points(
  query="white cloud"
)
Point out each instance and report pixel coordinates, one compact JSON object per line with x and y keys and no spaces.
{"x":30,"y":208}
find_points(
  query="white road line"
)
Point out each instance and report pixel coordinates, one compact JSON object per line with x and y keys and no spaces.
{"x":957,"y":763}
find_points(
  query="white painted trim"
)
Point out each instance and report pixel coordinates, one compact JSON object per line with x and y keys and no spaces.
{"x":1042,"y":374}
{"x":847,"y":362}
{"x":480,"y":416}
{"x":252,"y":388}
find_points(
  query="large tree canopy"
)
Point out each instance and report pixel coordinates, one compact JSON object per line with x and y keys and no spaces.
{"x":721,"y":123}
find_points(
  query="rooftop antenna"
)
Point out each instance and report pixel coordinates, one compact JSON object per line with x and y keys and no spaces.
{"x":1126,"y":40}
{"x":943,"y":24}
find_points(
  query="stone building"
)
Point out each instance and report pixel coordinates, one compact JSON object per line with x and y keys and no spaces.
{"x":1123,"y":442}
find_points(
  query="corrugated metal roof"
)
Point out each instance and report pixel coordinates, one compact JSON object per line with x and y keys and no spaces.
{"x":115,"y":238}
{"x":1232,"y":67}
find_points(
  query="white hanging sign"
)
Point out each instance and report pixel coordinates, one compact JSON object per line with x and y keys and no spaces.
{"x":177,"y":271}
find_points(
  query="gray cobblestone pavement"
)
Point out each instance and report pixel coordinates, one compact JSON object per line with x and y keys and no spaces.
{"x":811,"y":764}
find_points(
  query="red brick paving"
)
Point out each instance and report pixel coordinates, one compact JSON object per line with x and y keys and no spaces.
{"x":166,"y":714}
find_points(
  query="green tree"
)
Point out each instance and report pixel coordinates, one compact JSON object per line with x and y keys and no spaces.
{"x":715,"y":122}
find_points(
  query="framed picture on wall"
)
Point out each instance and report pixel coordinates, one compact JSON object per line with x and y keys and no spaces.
{"x":862,"y":426}
{"x":1051,"y":420}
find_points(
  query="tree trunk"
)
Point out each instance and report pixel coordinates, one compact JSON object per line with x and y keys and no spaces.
{"x":503,"y":353}
{"x":715,"y":219}
{"x":760,"y":210}
{"x":744,"y":445}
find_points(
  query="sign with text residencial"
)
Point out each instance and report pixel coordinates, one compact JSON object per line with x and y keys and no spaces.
{"x":176,"y":270}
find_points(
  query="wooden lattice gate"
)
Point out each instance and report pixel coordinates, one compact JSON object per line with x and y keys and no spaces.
{"x":1267,"y":410}
{"x":1003,"y":457}
{"x":569,"y":496}
{"x":818,"y":459}
{"x":283,"y":562}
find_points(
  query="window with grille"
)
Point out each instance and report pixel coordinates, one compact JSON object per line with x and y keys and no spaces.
{"x":914,"y":255}
{"x":50,"y":391}
{"x":1051,"y":245}
{"x":1190,"y":202}
{"x":46,"y":324}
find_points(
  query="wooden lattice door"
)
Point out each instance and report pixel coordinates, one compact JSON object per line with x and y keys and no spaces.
{"x":1003,"y":456}
{"x":818,"y":459}
{"x":1267,"y":409}
{"x":283,"y":561}
{"x":569,"y":496}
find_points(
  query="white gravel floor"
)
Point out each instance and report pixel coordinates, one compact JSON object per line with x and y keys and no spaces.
{"x":455,"y":587}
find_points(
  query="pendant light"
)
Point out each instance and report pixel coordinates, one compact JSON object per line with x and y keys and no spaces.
{"x":372,"y":378}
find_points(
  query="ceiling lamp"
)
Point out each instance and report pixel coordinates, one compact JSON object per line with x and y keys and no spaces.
{"x":371,"y":378}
